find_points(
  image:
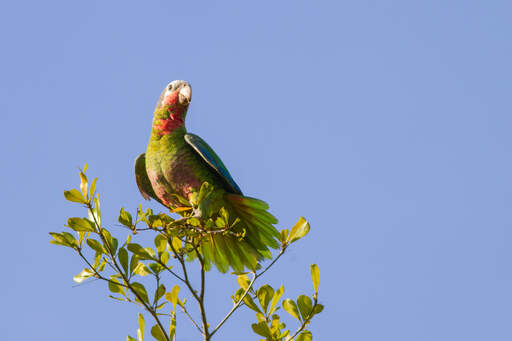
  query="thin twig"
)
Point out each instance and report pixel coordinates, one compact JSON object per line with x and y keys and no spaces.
{"x":273,"y":262}
{"x":235,"y":307}
{"x":207,"y":335}
{"x":238,"y":304}
{"x":169,"y":269}
{"x":191,"y":319}
{"x":193,"y":292}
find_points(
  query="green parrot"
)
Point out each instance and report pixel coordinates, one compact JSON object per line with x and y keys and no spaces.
{"x":178,"y":163}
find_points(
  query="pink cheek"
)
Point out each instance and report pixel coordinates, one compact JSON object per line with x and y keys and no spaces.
{"x":171,"y":99}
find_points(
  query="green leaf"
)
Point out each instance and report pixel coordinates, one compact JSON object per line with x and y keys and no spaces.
{"x":156,"y":268}
{"x":83,"y":275}
{"x":101,"y":267}
{"x":158,"y":333}
{"x":275,"y":299}
{"x":223,"y":213}
{"x":274,"y":327}
{"x":123,"y":259}
{"x":81,"y":236}
{"x":260,"y":317}
{"x":251,"y":305}
{"x":111,"y":242}
{"x":134,"y":261}
{"x":159,"y":293}
{"x":262,"y":329}
{"x":305,"y":305}
{"x":299,"y":230}
{"x":243,"y":281}
{"x":153,"y":221}
{"x":194,"y":221}
{"x":173,"y":296}
{"x":164,"y":258}
{"x":125,"y":218}
{"x":142,"y":270}
{"x":176,"y":244}
{"x":265,"y":294}
{"x":96,"y":245}
{"x":81,"y":224}
{"x":305,"y":336}
{"x":181,"y":199}
{"x":129,"y":338}
{"x":160,"y":306}
{"x":139,"y":251}
{"x":93,"y":187}
{"x":160,"y":243}
{"x":115,"y":286}
{"x":238,"y":294}
{"x":83,"y":184}
{"x":204,"y":192}
{"x":97,"y":260}
{"x":141,"y":291}
{"x":315,"y":275}
{"x":140,"y":331}
{"x":70,"y":239}
{"x":74,"y":195}
{"x":58,"y":239}
{"x":150,"y":252}
{"x":318,"y":309}
{"x":284,"y":334}
{"x":291,"y":307}
{"x":283,"y":235}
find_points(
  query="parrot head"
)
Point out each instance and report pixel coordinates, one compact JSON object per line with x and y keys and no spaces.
{"x":172,"y":106}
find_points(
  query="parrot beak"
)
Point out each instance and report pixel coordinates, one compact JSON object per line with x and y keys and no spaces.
{"x":185,"y":94}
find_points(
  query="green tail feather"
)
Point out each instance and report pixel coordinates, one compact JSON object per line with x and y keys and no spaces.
{"x":260,"y":232}
{"x":225,"y":251}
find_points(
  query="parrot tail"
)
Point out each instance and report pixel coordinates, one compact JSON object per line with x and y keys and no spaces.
{"x":225,"y":250}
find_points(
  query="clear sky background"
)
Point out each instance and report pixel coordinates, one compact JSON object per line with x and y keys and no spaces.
{"x":386,"y":123}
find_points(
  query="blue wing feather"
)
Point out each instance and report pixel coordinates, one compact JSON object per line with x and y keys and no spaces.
{"x":212,"y":159}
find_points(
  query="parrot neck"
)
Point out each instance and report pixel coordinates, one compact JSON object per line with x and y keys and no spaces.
{"x":166,"y":121}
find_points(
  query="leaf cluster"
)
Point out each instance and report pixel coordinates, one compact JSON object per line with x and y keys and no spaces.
{"x":126,"y":266}
{"x":265,"y":302}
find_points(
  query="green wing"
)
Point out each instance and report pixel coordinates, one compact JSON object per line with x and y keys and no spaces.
{"x":141,"y":176}
{"x":211,"y":158}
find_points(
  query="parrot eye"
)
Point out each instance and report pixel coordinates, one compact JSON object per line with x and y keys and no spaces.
{"x":170,"y":87}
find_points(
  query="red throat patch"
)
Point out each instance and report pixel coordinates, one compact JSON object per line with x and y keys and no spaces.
{"x":176,"y":115}
{"x":168,"y":125}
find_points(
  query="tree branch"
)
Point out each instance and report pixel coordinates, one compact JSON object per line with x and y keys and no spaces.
{"x":235,"y":307}
{"x":191,"y":319}
{"x":255,"y":277}
{"x":207,"y":335}
{"x":125,"y":279}
{"x":199,"y":299}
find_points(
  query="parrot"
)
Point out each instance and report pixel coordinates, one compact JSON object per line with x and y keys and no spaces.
{"x":177,"y":163}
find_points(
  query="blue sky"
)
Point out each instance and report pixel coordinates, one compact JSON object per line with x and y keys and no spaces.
{"x":385,"y":123}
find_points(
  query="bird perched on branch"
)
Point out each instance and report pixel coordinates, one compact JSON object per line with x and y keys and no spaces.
{"x":177,"y":163}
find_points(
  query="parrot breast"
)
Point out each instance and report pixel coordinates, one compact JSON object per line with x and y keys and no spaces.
{"x":173,"y":167}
